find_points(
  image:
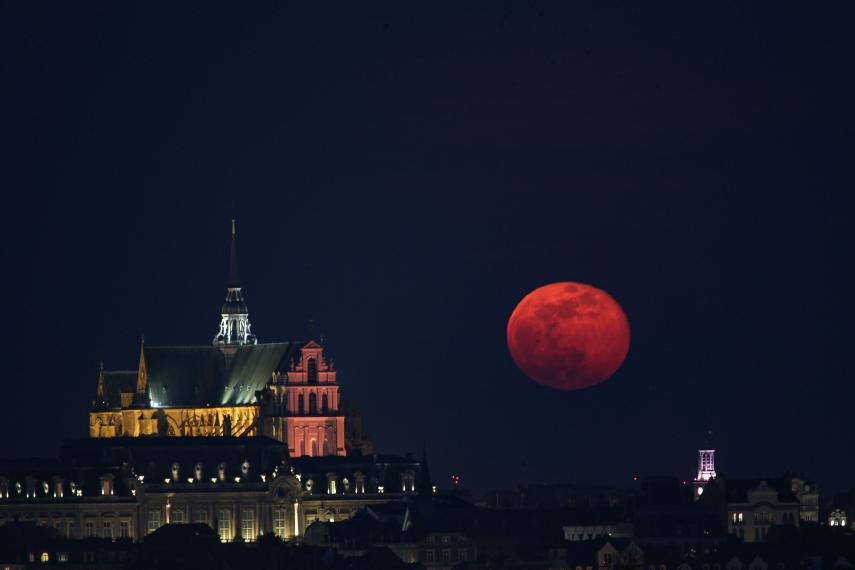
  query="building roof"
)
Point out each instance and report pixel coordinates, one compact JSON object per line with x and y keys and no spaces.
{"x":202,"y":376}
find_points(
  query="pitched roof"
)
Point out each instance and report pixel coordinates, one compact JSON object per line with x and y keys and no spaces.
{"x":201,"y":376}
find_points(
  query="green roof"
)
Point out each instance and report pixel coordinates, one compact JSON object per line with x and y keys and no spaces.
{"x":201,"y":376}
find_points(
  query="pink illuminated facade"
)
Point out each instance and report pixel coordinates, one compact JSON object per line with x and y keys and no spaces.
{"x":303,"y":406}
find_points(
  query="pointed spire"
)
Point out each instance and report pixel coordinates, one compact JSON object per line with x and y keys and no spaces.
{"x":142,"y":372}
{"x":234,"y":278}
{"x":100,"y":391}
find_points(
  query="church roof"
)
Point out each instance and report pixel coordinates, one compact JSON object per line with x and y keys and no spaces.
{"x":202,"y":376}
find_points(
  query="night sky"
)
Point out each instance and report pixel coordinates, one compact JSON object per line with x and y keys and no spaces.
{"x":403,"y":175}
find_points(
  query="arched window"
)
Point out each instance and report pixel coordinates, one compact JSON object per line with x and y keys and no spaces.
{"x":300,"y":404}
{"x":327,"y":447}
{"x":314,"y":448}
{"x":325,"y":404}
{"x":312,"y":367}
{"x":313,"y":403}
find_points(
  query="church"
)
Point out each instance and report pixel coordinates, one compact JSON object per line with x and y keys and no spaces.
{"x":246,"y":437}
{"x":236,"y":386}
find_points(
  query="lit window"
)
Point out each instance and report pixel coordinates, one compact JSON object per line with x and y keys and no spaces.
{"x":224,"y":525}
{"x":45,"y":557}
{"x":247,"y":526}
{"x":153,"y":520}
{"x":177,"y":516}
{"x":201,"y":516}
{"x":280,"y":517}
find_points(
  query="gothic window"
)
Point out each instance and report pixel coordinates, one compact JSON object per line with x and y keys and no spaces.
{"x":313,"y":403}
{"x":312,"y":367}
{"x":325,"y":404}
{"x":300,"y":404}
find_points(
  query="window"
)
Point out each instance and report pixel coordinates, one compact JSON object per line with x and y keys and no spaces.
{"x":331,"y":483}
{"x":247,"y":525}
{"x":224,"y":525}
{"x":153,"y":520}
{"x":280,"y":517}
{"x":312,"y":371}
{"x":177,"y":516}
{"x":108,"y":530}
{"x":201,"y":516}
{"x":446,"y":555}
{"x":45,"y":557}
{"x":313,"y":403}
{"x":300,"y":401}
{"x":62,"y":556}
{"x":325,"y":404}
{"x":461,"y":554}
{"x":429,"y":556}
{"x":360,"y":482}
{"x":408,"y":481}
{"x":90,"y":529}
{"x":314,"y":448}
{"x":125,"y":529}
{"x":107,"y":484}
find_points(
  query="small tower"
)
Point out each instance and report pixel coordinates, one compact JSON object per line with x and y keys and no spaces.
{"x":706,"y":467}
{"x":235,"y":329}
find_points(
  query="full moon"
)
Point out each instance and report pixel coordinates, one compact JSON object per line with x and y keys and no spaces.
{"x":568,"y":335}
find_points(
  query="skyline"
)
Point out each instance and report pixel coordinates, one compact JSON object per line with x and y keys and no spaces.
{"x":403,"y":179}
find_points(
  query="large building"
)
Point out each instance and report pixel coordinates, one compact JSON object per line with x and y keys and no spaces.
{"x":234,"y":387}
{"x":246,"y":437}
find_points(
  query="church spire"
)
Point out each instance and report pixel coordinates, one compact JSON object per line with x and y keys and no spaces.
{"x":234,"y":279}
{"x":235,"y":329}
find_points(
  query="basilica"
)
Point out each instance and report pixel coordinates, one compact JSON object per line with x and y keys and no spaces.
{"x":234,"y":387}
{"x":244,"y":436}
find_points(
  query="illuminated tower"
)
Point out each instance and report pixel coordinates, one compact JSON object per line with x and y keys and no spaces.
{"x":302,"y":406}
{"x":706,"y":470}
{"x":234,"y":325}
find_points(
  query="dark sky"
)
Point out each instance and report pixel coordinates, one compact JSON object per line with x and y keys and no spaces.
{"x":405,"y":175}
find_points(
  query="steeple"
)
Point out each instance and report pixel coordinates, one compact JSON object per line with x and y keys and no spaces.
{"x":235,"y":329}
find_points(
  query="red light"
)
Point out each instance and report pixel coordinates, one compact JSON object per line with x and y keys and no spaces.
{"x":635,"y":477}
{"x":455,"y":479}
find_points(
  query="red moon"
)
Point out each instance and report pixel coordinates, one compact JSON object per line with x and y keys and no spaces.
{"x":568,"y":335}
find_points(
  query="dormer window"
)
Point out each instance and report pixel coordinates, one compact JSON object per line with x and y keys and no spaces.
{"x":57,"y":487}
{"x":107,"y":480}
{"x":408,"y":481}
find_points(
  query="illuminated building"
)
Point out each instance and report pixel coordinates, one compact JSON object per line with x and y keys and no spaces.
{"x":247,"y":437}
{"x":234,"y":387}
{"x":706,"y":470}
